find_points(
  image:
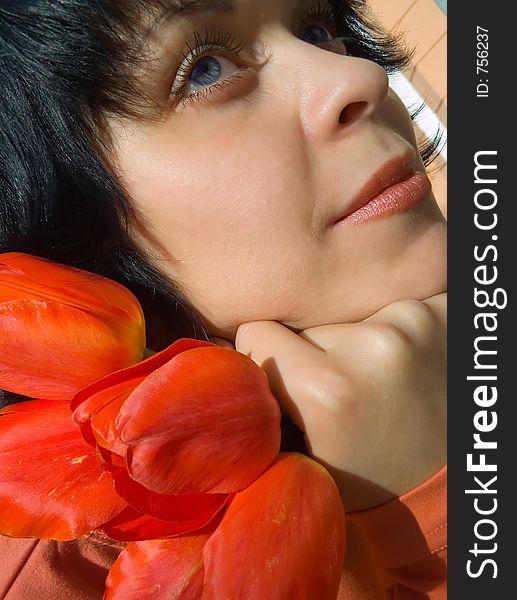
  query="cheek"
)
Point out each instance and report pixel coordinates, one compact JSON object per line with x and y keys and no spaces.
{"x":239,"y":206}
{"x":233,"y":190}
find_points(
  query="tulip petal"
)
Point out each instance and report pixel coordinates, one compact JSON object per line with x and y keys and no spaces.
{"x":96,"y":416}
{"x":283,"y":537}
{"x":205,"y":422}
{"x":95,"y":408}
{"x":55,"y":350}
{"x":130,"y":525}
{"x":184,"y":507}
{"x":94,"y":397}
{"x":108,"y":459}
{"x":137,"y":372}
{"x":29,"y":406}
{"x":27,"y":276}
{"x":64,"y":328}
{"x":50,"y":480}
{"x":103,"y":426}
{"x":158,"y":570}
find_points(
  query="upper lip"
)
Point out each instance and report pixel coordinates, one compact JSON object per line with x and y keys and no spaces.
{"x":393,"y":171}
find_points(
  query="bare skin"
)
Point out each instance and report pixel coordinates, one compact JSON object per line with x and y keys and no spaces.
{"x":369,"y":396}
{"x":239,"y":195}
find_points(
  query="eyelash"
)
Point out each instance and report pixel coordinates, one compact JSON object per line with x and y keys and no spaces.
{"x":208,"y":41}
{"x":218,"y":40}
{"x":225,"y":42}
{"x":321,"y":13}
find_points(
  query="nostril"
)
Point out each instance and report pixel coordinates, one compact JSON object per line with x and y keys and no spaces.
{"x":352,"y":112}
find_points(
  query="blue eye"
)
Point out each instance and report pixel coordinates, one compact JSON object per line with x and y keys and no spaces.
{"x":321,"y":37}
{"x":208,"y":71}
{"x":316,"y":34}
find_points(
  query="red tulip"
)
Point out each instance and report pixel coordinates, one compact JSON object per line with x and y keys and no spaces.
{"x":200,"y":419}
{"x":174,"y":454}
{"x":96,"y":407}
{"x":192,"y":388}
{"x":180,"y":508}
{"x":133,"y":526}
{"x":159,"y":570}
{"x":51,"y":484}
{"x":282,"y":537}
{"x":62,"y":328}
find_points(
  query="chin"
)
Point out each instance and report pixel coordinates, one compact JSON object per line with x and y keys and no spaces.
{"x":425,"y":276}
{"x":418,"y":273}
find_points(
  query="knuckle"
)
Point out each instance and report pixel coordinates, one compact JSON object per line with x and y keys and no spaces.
{"x":419,"y":318}
{"x":389,"y":342}
{"x":327,"y":386}
{"x":391,"y":348}
{"x":416,"y":309}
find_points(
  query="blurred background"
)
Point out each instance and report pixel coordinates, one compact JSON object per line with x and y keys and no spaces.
{"x":424,"y":25}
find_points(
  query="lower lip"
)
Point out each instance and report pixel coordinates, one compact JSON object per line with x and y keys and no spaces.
{"x":396,"y":199}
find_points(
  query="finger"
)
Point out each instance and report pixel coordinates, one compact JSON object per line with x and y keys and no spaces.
{"x":401,"y":314}
{"x":330,"y":337}
{"x":285,"y":357}
{"x":262,"y":340}
{"x":418,"y":320}
{"x":438,"y":304}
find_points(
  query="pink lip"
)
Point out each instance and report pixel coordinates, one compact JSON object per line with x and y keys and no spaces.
{"x":393,"y":189}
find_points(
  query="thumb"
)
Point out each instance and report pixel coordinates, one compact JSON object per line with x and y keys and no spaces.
{"x":288,"y":361}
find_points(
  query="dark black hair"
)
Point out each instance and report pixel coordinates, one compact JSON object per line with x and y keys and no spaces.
{"x":64,"y":66}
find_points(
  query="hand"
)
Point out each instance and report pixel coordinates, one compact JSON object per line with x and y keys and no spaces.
{"x":370,"y":397}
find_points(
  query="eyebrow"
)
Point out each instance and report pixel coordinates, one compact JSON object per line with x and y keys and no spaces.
{"x":176,"y":8}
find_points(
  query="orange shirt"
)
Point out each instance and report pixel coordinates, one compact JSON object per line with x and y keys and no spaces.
{"x":395,"y":551}
{"x":398,"y":550}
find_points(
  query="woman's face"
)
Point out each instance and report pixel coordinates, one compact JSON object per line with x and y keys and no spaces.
{"x":271,"y":138}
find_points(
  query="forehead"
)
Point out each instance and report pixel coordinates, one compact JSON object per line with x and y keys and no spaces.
{"x":179,"y":16}
{"x":174,"y":8}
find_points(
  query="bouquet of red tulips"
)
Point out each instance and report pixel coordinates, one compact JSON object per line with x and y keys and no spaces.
{"x":176,"y":454}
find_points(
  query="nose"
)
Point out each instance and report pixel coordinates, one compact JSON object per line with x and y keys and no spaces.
{"x":336,"y":91}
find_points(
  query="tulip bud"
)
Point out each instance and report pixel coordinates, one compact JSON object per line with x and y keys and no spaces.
{"x":62,"y":328}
